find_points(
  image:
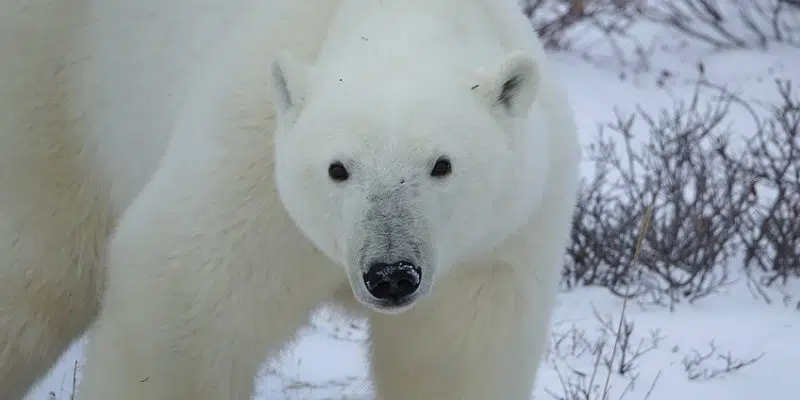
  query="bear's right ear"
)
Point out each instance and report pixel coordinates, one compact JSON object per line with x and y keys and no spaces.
{"x":289,"y":84}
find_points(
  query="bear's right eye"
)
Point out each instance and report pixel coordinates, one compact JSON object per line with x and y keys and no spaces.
{"x":441,"y":168}
{"x":338,"y":172}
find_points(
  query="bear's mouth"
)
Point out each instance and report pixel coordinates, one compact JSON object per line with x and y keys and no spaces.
{"x":392,"y":307}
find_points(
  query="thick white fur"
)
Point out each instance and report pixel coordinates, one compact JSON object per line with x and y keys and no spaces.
{"x":155,"y":117}
{"x":54,"y":215}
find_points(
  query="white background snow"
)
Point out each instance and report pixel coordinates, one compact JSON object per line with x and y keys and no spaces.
{"x":667,"y":348}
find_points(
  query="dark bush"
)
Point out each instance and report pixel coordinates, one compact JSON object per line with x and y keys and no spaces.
{"x":719,"y":206}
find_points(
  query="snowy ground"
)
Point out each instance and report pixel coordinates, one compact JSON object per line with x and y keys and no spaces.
{"x":728,"y":347}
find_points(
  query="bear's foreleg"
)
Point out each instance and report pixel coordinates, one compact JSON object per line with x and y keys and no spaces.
{"x":50,"y":281}
{"x":207,"y":278}
{"x":53,"y":231}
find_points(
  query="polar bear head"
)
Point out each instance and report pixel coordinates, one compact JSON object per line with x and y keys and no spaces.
{"x":400,"y":174}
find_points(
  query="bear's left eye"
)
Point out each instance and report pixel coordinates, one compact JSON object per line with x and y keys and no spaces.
{"x":441,"y":168}
{"x":338,"y":172}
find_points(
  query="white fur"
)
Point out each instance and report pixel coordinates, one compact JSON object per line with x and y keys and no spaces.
{"x":156,"y":117}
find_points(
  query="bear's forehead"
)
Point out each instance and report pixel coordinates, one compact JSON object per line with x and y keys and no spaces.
{"x":409,"y":81}
{"x":389,"y":117}
{"x":385,"y":98}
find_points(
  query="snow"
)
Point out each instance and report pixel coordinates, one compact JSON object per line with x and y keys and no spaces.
{"x":669,"y":350}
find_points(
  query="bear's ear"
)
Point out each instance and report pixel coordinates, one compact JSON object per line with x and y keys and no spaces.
{"x":511,"y":85}
{"x":289,"y":84}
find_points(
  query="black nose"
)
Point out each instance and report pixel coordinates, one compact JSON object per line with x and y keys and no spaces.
{"x":392,"y":281}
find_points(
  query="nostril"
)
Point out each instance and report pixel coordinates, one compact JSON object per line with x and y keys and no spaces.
{"x":382,"y":290}
{"x":392,"y":281}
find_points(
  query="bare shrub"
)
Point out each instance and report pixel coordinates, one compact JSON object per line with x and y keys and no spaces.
{"x":583,"y":361}
{"x":771,"y":233}
{"x":695,"y":200}
{"x":630,"y":348}
{"x":712,"y":204}
{"x":67,"y":393}
{"x":721,"y":24}
{"x":557,"y":20}
{"x":726,"y":24}
{"x":711,"y":364}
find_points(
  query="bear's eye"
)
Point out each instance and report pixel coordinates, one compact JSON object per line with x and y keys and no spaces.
{"x":338,"y":172}
{"x":441,"y":168}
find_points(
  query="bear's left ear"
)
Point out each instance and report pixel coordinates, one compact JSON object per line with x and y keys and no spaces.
{"x":511,"y":85}
{"x":289,"y":84}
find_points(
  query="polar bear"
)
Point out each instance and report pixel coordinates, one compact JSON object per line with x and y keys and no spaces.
{"x":216,"y":172}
